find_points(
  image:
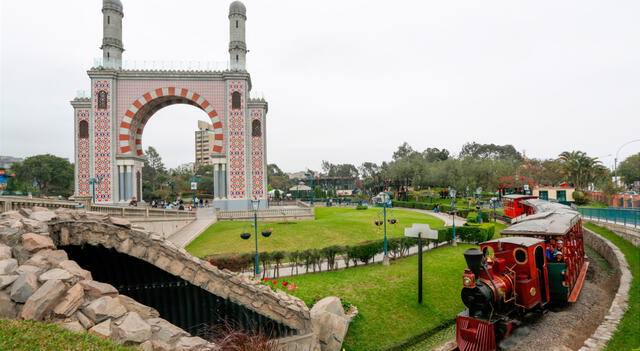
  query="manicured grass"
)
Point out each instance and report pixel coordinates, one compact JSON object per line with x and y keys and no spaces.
{"x":332,"y":226}
{"x":29,"y":335}
{"x":387,"y":297}
{"x":595,"y":204}
{"x":628,"y":335}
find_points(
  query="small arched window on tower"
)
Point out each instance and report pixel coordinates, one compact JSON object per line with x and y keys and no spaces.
{"x":108,"y":19}
{"x":102,"y":99}
{"x":237,"y":58}
{"x":83,"y":129}
{"x":236,"y":24}
{"x":256,"y":128}
{"x":235,"y":100}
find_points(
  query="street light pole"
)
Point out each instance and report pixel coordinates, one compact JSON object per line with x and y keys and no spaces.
{"x":385,"y":202}
{"x":93,"y":182}
{"x":255,"y":204}
{"x":615,"y":160}
{"x":453,"y":207}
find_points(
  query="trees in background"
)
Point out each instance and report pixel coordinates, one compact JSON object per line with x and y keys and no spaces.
{"x":629,"y":169}
{"x":481,"y":165}
{"x":277,"y":179}
{"x":339,"y":170}
{"x":48,"y":174}
{"x":491,"y":151}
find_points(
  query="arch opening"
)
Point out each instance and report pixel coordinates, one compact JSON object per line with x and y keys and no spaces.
{"x":178,"y":301}
{"x":141,"y":110}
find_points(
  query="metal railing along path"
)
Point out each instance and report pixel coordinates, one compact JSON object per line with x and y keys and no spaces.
{"x":10,"y":203}
{"x":270,"y":213}
{"x":629,"y":217}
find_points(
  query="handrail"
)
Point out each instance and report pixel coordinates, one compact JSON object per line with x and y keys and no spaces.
{"x":10,"y":203}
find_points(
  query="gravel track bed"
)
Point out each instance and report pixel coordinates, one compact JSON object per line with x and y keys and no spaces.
{"x":567,"y":327}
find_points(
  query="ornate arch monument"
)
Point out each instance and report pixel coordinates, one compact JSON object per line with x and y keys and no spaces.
{"x":109,"y":125}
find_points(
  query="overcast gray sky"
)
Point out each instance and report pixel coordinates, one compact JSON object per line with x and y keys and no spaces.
{"x":348,"y":81}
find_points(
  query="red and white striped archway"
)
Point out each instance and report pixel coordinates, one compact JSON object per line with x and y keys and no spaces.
{"x":144,"y":107}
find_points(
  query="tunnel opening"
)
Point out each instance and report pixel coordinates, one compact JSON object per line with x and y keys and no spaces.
{"x":183,"y":304}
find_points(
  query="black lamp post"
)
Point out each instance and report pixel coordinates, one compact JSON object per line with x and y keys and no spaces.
{"x":255,"y":205}
{"x":93,"y":182}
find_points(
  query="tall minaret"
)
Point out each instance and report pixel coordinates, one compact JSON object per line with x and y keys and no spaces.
{"x":237,"y":45}
{"x":112,"y":47}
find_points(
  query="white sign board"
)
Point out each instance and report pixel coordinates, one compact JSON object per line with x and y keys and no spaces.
{"x":194,"y":186}
{"x":422,"y":229}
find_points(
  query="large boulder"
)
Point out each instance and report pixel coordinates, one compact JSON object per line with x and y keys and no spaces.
{"x":34,"y":242}
{"x":23,"y":287}
{"x":189,"y":343}
{"x":96,"y":289}
{"x":131,"y":328}
{"x":5,"y":252}
{"x":73,"y":326}
{"x":329,"y":323}
{"x":73,"y":299}
{"x":55,"y":273}
{"x":103,"y":308}
{"x":165,"y":331}
{"x":27,"y":268}
{"x":7,"y":307}
{"x":8,"y":266}
{"x":73,"y":268}
{"x":102,"y":330}
{"x":42,"y":214}
{"x":132,"y":305}
{"x":47,"y":258}
{"x":43,"y":300}
{"x":6,"y":280}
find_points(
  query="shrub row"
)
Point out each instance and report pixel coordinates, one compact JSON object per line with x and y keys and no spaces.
{"x":462,"y":212}
{"x":475,"y":233}
{"x":311,"y":260}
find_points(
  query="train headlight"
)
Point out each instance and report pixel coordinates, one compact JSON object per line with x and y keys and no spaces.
{"x":468,"y":279}
{"x":532,"y":291}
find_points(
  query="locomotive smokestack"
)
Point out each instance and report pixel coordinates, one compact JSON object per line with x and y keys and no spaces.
{"x":474,"y":260}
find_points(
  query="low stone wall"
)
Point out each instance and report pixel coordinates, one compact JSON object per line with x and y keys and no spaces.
{"x":629,"y":233}
{"x":161,"y":226}
{"x":37,"y":281}
{"x":622,"y":277}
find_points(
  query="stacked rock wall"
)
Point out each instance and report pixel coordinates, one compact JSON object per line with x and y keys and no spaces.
{"x":39,"y":282}
{"x":622,"y":277}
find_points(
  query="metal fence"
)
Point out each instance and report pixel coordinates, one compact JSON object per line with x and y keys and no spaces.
{"x":619,"y":216}
{"x":9,"y":203}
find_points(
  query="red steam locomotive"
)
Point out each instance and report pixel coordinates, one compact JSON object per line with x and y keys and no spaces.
{"x":541,"y":261}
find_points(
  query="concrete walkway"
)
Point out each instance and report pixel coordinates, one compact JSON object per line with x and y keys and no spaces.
{"x":205,"y":217}
{"x":447,"y":218}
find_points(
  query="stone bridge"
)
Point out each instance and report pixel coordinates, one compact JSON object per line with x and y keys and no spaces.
{"x":44,"y":254}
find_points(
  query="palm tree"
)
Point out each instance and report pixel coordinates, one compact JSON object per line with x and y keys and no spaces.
{"x":580,"y":169}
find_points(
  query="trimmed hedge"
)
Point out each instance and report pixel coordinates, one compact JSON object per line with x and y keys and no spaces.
{"x":462,"y":212}
{"x":476,"y":233}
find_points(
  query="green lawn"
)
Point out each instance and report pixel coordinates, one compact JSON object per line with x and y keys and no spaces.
{"x":628,"y":335}
{"x":29,"y":335}
{"x":332,"y":226}
{"x":387,"y":297}
{"x":595,"y":204}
